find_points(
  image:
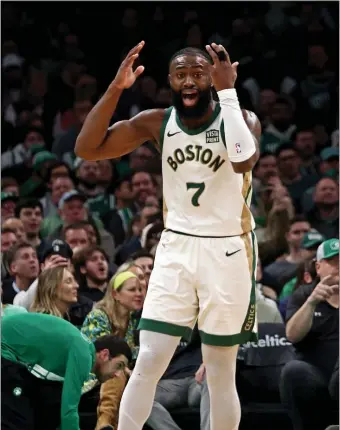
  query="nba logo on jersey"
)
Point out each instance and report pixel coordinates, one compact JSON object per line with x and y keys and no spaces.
{"x":238,"y":147}
{"x":212,"y":136}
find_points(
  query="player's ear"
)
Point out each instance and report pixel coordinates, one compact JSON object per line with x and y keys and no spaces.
{"x":169,"y":78}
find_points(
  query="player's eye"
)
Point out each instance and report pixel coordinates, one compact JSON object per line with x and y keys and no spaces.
{"x":197,"y":75}
{"x":180,"y":75}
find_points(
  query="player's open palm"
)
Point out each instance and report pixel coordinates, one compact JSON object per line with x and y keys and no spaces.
{"x":223,"y":72}
{"x":126,"y":76}
{"x":323,"y":291}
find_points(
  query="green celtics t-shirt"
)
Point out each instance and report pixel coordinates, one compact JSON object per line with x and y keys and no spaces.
{"x":53,"y":349}
{"x":100,"y":205}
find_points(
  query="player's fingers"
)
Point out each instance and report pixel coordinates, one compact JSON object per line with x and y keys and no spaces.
{"x":212,"y":54}
{"x":130,"y":60}
{"x":139,"y":71}
{"x":234,"y":65}
{"x":222,"y":54}
{"x":222,"y":49}
{"x":136,"y":49}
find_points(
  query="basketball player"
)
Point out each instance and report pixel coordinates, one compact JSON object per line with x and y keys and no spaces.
{"x":206,"y":259}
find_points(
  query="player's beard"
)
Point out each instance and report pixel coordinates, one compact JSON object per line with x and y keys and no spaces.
{"x":193,"y":112}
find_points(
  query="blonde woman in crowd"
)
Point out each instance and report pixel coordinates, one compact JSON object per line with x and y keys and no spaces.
{"x":114,"y":314}
{"x":56,"y":292}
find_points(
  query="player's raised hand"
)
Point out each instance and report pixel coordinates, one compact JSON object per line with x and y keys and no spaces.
{"x":223,"y":72}
{"x":126,"y":76}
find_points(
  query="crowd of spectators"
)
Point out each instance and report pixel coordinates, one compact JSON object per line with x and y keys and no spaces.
{"x":78,"y":238}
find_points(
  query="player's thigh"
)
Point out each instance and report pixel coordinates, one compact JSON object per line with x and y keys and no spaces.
{"x":227,"y":290}
{"x":17,"y":412}
{"x":171,"y":303}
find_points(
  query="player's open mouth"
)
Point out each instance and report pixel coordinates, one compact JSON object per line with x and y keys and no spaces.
{"x":189,"y":97}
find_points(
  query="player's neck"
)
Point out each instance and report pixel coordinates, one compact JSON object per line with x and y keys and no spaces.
{"x":193,"y":123}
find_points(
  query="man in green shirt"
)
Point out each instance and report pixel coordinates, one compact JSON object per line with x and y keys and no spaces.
{"x":45,"y":361}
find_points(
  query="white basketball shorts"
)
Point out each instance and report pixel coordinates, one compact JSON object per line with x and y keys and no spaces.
{"x":211,"y":280}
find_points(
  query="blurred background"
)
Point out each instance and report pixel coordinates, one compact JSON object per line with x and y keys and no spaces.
{"x":57,"y":60}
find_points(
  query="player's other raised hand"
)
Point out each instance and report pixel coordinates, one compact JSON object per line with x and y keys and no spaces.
{"x":223,"y":72}
{"x":126,"y":76}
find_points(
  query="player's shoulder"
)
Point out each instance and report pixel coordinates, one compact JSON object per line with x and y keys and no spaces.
{"x":150,"y":117}
{"x":152,"y":121}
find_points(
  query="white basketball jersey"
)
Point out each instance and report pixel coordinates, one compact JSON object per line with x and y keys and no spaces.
{"x":203,"y":196}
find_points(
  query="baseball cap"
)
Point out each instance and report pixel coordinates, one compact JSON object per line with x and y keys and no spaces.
{"x":311,"y":239}
{"x":73,"y":194}
{"x":41,"y":157}
{"x":9,"y":196}
{"x":328,"y":153}
{"x":58,"y":247}
{"x":327,"y":249}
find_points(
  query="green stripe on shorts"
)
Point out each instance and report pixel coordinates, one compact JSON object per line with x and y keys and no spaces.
{"x":230,"y":340}
{"x":249,"y":321}
{"x":165,"y":328}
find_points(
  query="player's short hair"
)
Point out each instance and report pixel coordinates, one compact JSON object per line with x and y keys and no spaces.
{"x":114,"y":344}
{"x":191,"y":51}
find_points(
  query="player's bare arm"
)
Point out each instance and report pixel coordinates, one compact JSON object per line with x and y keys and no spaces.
{"x":241,"y":141}
{"x":98,"y":141}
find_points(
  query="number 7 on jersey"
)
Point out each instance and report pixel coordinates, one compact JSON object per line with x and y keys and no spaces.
{"x":200,"y":186}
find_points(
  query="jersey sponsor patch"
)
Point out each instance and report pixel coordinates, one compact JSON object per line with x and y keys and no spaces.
{"x":238,"y":148}
{"x":212,"y":136}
